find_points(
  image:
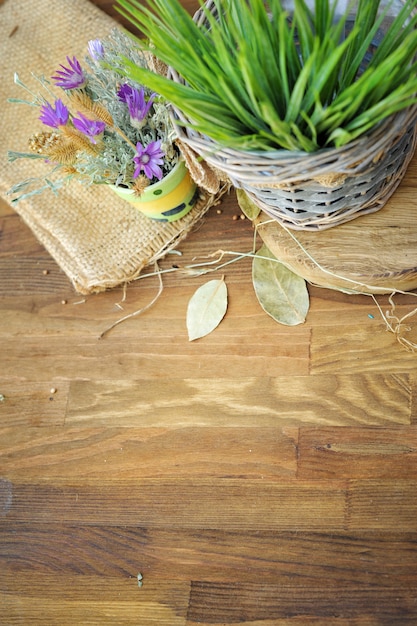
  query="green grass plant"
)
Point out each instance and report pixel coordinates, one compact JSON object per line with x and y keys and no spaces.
{"x":259,"y":78}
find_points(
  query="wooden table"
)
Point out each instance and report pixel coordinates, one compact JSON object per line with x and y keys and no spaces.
{"x":264,"y":475}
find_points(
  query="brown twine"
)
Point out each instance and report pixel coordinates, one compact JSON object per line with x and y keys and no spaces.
{"x":331,"y":180}
{"x":396,"y":325}
{"x":393,"y":324}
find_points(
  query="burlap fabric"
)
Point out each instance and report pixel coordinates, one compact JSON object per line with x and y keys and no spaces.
{"x":98,"y":240}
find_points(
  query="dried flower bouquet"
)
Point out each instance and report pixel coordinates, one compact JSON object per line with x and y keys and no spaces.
{"x":104,"y":130}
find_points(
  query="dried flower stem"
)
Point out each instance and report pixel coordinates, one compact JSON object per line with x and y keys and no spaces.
{"x":140,"y":311}
{"x":121,"y":133}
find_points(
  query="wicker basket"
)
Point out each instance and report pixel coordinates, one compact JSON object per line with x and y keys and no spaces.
{"x":314,"y":191}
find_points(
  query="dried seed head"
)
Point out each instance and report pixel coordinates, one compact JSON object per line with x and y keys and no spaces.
{"x":81,"y":142}
{"x":43,"y":141}
{"x":140,"y":185}
{"x":54,"y":146}
{"x":84,"y":104}
{"x":64,"y":152}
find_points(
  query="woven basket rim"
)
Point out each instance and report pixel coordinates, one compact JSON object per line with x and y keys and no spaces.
{"x":294,"y":167}
{"x":379,"y":132}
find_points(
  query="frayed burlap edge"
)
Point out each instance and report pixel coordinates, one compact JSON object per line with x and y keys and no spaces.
{"x":165,"y":239}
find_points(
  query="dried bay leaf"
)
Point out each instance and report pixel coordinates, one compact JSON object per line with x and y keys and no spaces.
{"x":206,"y":308}
{"x":249,"y":208}
{"x":281,"y":293}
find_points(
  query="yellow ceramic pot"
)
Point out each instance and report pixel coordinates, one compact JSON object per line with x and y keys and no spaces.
{"x":168,"y":199}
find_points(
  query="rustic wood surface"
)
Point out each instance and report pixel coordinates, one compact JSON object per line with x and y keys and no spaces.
{"x":264,"y":475}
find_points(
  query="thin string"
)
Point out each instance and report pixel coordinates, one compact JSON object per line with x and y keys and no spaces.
{"x":139,"y":311}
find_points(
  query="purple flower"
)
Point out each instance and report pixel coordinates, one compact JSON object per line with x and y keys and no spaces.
{"x":136,"y":103}
{"x":70,"y":78}
{"x":96,"y":50}
{"x":54,"y":116}
{"x":91,"y":128}
{"x":124,"y":92}
{"x":149,"y":159}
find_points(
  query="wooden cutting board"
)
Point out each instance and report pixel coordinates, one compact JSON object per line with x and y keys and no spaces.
{"x":376,"y":253}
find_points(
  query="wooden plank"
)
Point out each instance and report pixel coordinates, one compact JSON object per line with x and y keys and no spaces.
{"x":366,"y":348}
{"x":33,"y":275}
{"x":354,"y":453}
{"x":202,"y":503}
{"x":368,"y":399}
{"x":256,"y":603}
{"x":330,"y":308}
{"x":413,"y":379}
{"x":30,"y":404}
{"x":78,"y":359}
{"x":288,"y":559}
{"x":79,"y":315}
{"x":356,"y":319}
{"x":382,"y":505}
{"x":66,"y":600}
{"x":17,"y":240}
{"x":154,"y":345}
{"x":320,"y":620}
{"x":36,"y":454}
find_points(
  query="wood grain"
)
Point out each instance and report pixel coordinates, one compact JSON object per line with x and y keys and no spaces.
{"x":277,"y":605}
{"x":391,"y":505}
{"x":289,"y":559}
{"x":256,"y":452}
{"x":261,"y":476}
{"x":370,"y":453}
{"x":32,"y":404}
{"x":249,"y":401}
{"x":60,"y":598}
{"x":200,"y":503}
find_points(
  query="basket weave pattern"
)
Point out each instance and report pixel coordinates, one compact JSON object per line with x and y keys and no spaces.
{"x":314,"y":191}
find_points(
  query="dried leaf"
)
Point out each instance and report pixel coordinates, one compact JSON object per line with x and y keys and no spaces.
{"x":249,"y":208}
{"x":281,"y":293}
{"x":206,"y":308}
